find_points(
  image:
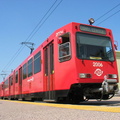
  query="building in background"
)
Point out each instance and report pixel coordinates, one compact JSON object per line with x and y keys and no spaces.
{"x":118,"y":64}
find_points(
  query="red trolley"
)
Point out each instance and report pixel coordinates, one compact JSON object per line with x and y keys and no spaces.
{"x":76,"y":63}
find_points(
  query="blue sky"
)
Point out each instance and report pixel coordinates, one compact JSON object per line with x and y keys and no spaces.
{"x":18,"y":18}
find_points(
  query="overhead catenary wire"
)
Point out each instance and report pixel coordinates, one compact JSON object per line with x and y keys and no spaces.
{"x":13,"y":58}
{"x":107,"y":12}
{"x":109,"y":17}
{"x":41,"y":23}
{"x":34,"y":31}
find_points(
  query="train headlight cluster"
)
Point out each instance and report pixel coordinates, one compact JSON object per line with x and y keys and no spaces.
{"x":109,"y":76}
{"x":85,"y":75}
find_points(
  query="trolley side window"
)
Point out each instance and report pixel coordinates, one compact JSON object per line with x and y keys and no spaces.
{"x":16,"y":77}
{"x":0,"y":89}
{"x":30,"y":67}
{"x":6,"y":84}
{"x":3,"y":86}
{"x":37,"y":63}
{"x":64,"y":48}
{"x":24,"y":71}
{"x":11,"y":80}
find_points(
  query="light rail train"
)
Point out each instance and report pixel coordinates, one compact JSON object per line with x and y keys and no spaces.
{"x":75,"y":63}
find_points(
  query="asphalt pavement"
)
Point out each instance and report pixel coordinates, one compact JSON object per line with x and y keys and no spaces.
{"x":18,"y":110}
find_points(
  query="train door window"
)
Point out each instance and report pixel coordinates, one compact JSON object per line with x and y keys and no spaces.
{"x":64,"y":48}
{"x":51,"y":58}
{"x":16,"y":77}
{"x":46,"y":61}
{"x":24,"y":71}
{"x":30,"y":67}
{"x":37,"y":63}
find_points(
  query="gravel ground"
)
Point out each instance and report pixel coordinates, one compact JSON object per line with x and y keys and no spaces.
{"x":19,"y":111}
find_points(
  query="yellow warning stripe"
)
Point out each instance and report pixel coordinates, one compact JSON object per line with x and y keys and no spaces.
{"x":80,"y":107}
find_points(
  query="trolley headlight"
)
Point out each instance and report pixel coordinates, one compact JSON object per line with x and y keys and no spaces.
{"x":109,"y":76}
{"x":91,"y":21}
{"x":85,"y":75}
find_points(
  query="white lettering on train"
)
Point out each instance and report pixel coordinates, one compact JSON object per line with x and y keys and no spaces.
{"x":59,"y":33}
{"x":97,"y":64}
{"x":32,"y":79}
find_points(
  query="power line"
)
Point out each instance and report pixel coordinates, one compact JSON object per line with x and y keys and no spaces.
{"x":13,"y":58}
{"x":38,"y":26}
{"x":44,"y":20}
{"x":33,"y":31}
{"x":107,"y":12}
{"x":109,"y":17}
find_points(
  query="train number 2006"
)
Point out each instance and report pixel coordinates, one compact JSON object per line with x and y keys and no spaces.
{"x":97,"y":64}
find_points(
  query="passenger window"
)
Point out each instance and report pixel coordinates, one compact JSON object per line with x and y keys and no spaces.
{"x":37,"y":63}
{"x":30,"y":67}
{"x":16,"y":77}
{"x":64,"y":48}
{"x":24,"y":71}
{"x":6,"y":84}
{"x":11,"y":80}
{"x":3,"y":86}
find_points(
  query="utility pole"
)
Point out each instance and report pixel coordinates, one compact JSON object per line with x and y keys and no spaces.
{"x":29,"y":45}
{"x":3,"y":74}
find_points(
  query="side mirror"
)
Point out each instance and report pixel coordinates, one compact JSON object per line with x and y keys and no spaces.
{"x":60,"y":40}
{"x":116,"y":45}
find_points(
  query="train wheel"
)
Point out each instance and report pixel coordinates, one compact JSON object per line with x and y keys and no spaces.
{"x":77,"y":99}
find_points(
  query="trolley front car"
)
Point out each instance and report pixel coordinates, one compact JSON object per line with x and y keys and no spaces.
{"x":76,"y":63}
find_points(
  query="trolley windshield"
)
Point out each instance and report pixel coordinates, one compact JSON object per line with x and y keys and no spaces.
{"x":93,"y":47}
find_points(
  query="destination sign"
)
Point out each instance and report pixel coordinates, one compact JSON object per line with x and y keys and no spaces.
{"x":93,"y":29}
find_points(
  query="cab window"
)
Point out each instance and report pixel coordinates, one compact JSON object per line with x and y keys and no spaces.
{"x":64,"y":48}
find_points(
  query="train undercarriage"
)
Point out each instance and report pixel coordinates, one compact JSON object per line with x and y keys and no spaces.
{"x":99,"y":91}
